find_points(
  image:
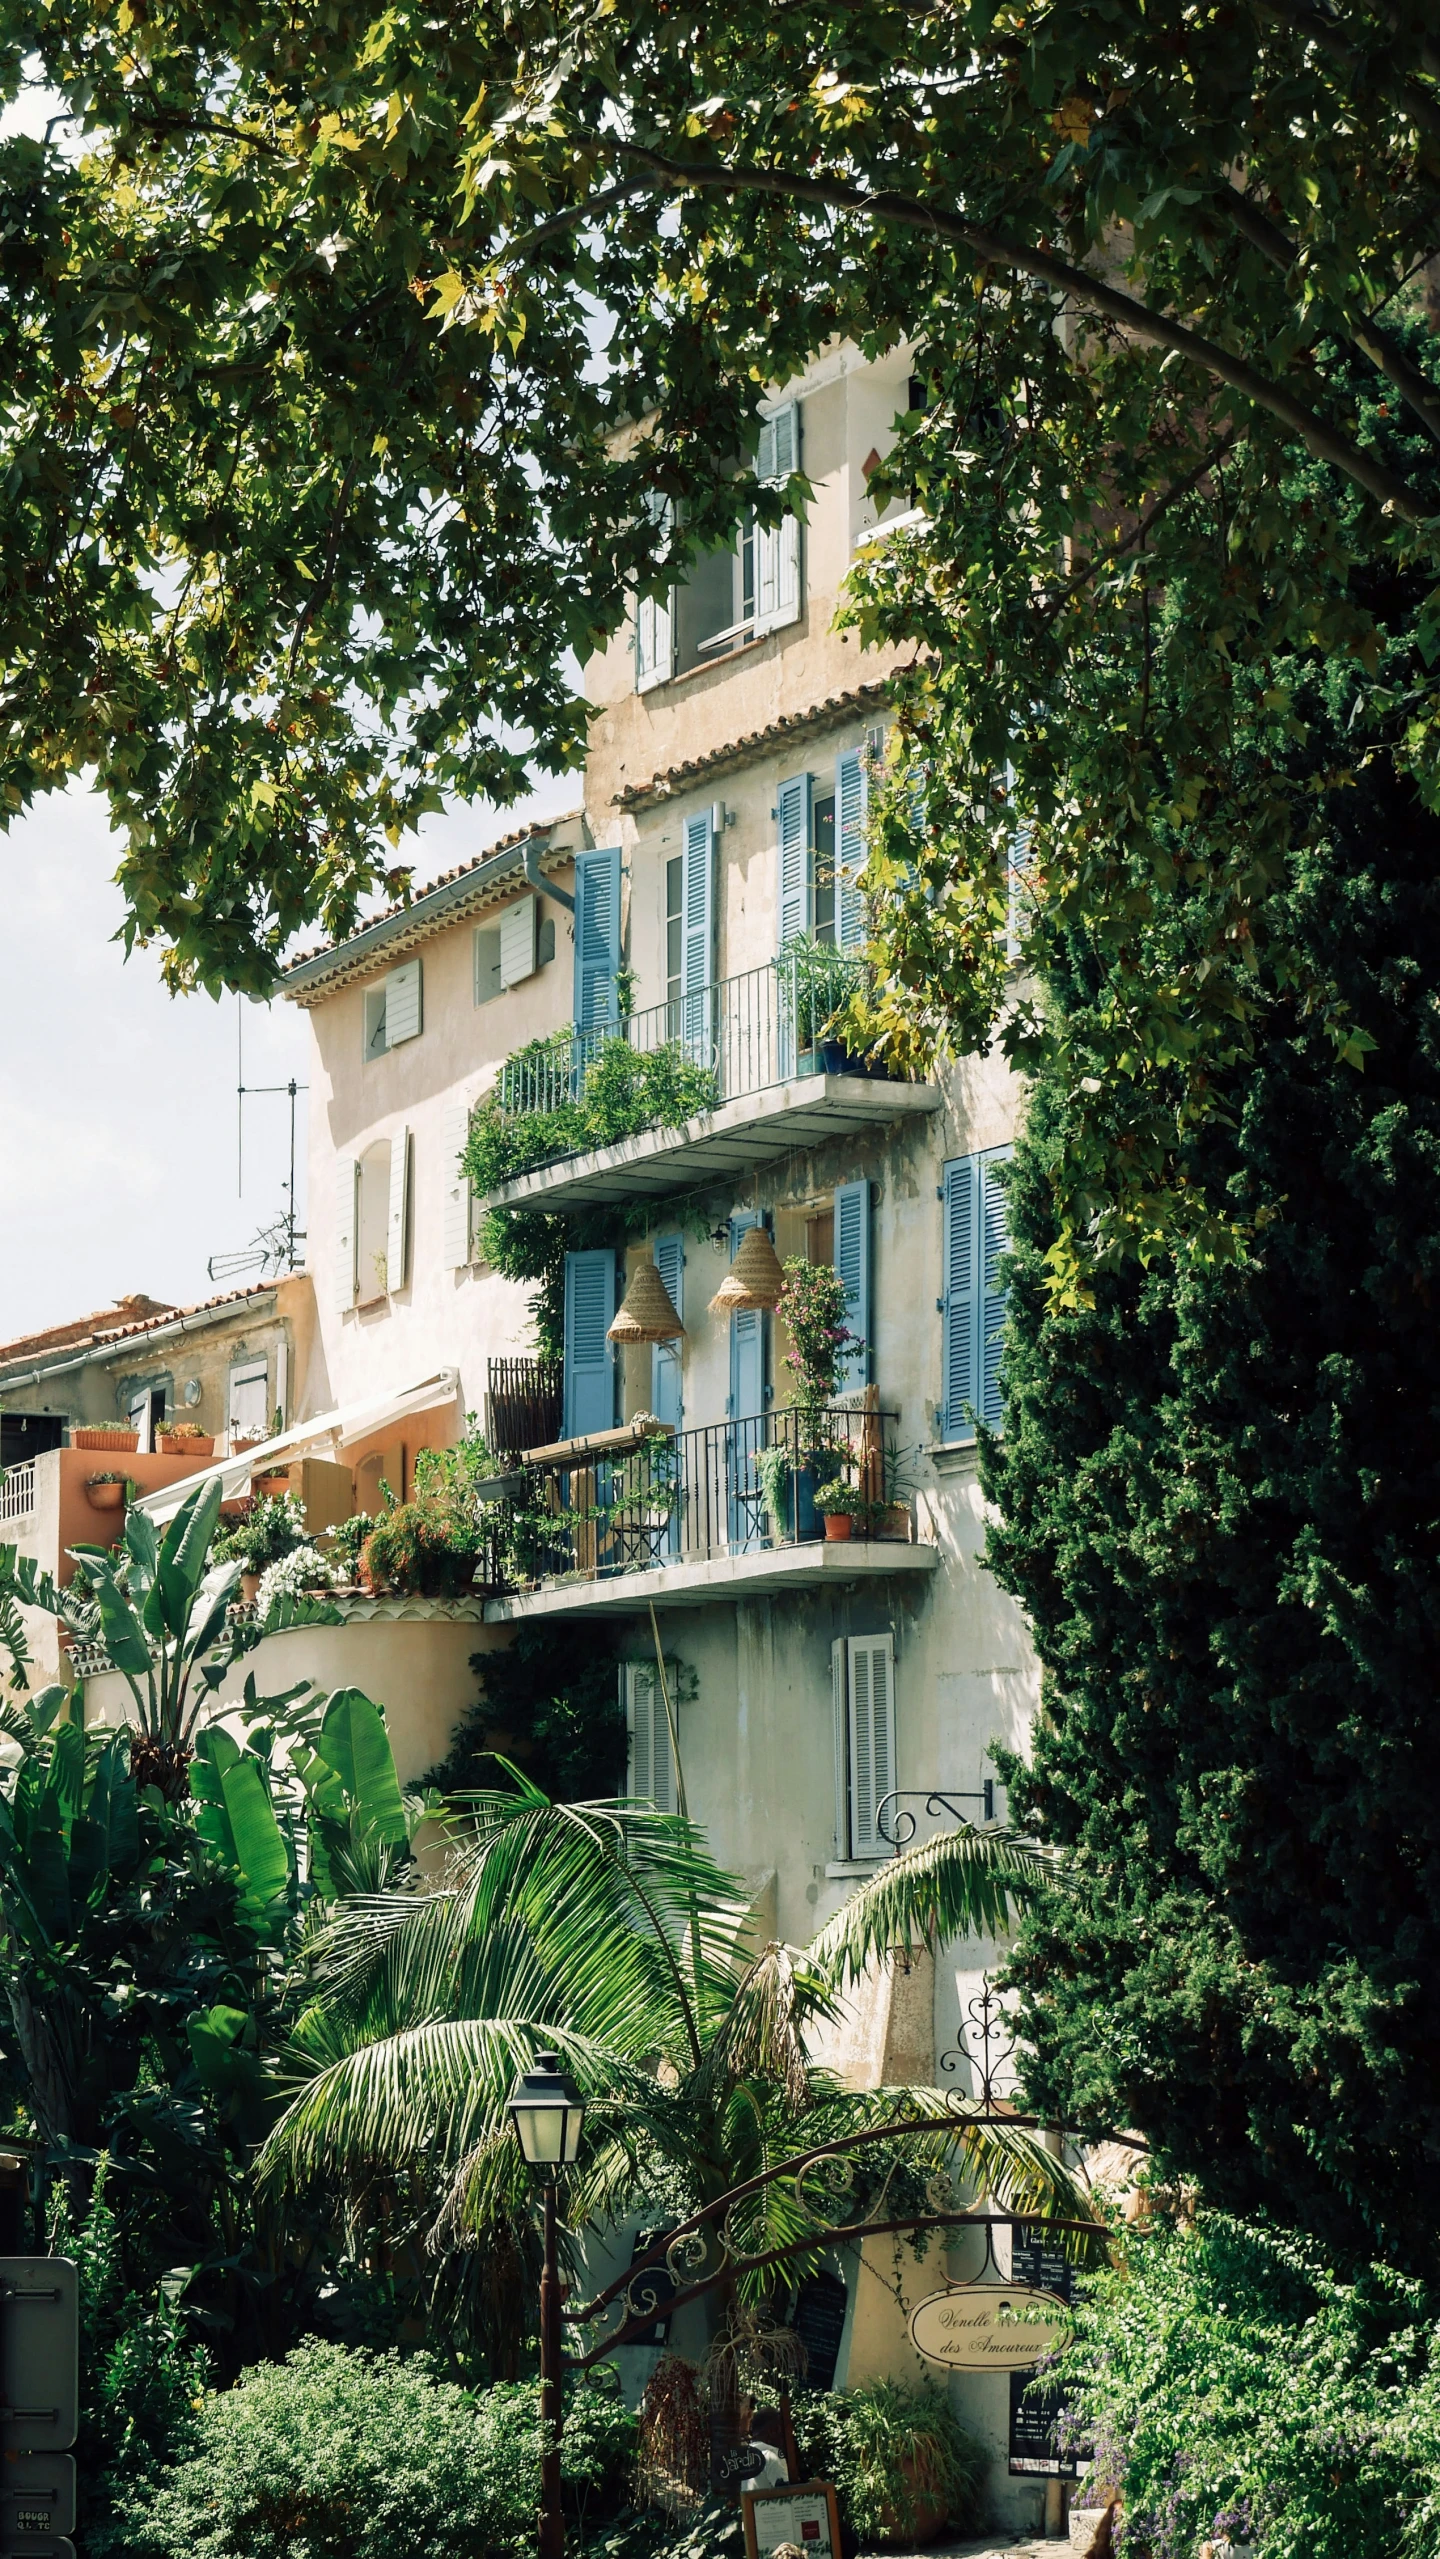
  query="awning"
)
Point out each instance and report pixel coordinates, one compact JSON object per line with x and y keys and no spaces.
{"x":326,"y":1434}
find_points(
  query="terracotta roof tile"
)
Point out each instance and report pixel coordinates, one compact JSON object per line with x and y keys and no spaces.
{"x":110,"y":1324}
{"x":406,"y":906}
{"x":743,"y":750}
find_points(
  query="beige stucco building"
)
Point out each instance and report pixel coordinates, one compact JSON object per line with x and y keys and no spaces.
{"x":832,"y":1689}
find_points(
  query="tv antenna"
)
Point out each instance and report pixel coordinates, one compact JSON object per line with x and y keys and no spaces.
{"x":273,"y":1247}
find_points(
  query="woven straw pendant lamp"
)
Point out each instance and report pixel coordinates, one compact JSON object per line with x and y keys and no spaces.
{"x":755,"y":1277}
{"x":646,"y":1314}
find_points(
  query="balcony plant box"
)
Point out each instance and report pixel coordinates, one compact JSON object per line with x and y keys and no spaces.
{"x":196,"y":1444}
{"x":122,"y":1442}
{"x":272,"y":1479}
{"x":838,"y":1526}
{"x":105,"y":1492}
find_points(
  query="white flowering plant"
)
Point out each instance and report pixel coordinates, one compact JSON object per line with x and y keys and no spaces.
{"x":303,"y":1569}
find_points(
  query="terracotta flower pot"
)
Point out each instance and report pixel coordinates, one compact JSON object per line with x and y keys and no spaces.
{"x":249,"y":1588}
{"x":105,"y":1497}
{"x":124,"y":1443}
{"x":838,"y":1526}
{"x":275,"y":1479}
{"x":172,"y":1445}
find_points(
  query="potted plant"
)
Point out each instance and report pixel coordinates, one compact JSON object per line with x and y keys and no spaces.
{"x":123,"y":1442}
{"x":265,"y":1531}
{"x":185,"y":1439}
{"x":841,"y":1508}
{"x":813,"y":1304}
{"x":106,"y":1491}
{"x":820,"y":978}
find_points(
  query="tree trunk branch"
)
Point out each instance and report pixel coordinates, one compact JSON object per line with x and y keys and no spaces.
{"x":1321,"y":439}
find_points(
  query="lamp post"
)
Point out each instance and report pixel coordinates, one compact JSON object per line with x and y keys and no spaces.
{"x":548,"y":2113}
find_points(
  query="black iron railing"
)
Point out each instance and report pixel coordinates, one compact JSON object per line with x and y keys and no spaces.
{"x":733,"y":1488}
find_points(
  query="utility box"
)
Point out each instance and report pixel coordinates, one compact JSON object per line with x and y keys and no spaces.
{"x":37,"y":2499}
{"x":39,"y":2354}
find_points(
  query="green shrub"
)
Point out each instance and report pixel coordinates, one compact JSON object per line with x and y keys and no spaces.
{"x":555,"y":1695}
{"x":890,"y":2448}
{"x":336,"y":2454}
{"x":1232,"y":2385}
{"x":414,"y":1548}
{"x":623,"y":1091}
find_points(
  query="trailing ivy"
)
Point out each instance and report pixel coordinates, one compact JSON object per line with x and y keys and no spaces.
{"x":1219,"y":1499}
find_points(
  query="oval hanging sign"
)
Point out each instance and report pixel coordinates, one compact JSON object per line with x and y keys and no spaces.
{"x":989,"y":2327}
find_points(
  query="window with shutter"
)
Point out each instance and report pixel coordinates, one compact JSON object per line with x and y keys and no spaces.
{"x":774,"y":568}
{"x":870,"y":1665}
{"x":746,"y":1409}
{"x":597,"y":938}
{"x":397,"y":1241}
{"x":851,"y":796}
{"x":374,"y":1017}
{"x":650,"y":1772}
{"x":655,"y":620}
{"x":589,"y":1383}
{"x":840,"y":1712}
{"x":455,"y":1196}
{"x":975,"y":1242}
{"x":402,"y":1004}
{"x":958,"y":1301}
{"x":698,"y":939}
{"x":852,"y":1261}
{"x":345,"y":1229}
{"x":796,"y":887}
{"x":517,"y":942}
{"x":665,"y":1369}
{"x":994,"y":1242}
{"x":487,"y":963}
{"x":249,"y":1400}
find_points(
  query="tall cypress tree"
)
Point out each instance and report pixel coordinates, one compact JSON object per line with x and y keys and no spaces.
{"x":1219,"y":1502}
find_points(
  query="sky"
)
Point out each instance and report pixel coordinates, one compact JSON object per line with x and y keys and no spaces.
{"x":117,"y":1100}
{"x":119,"y":1168}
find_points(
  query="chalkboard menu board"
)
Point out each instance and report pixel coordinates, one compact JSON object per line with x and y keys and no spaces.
{"x":1033,"y":2453}
{"x":1033,"y":2262}
{"x":1034,"y":2259}
{"x":819,"y":2323}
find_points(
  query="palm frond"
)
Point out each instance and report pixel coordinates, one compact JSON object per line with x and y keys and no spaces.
{"x":761,"y":2033}
{"x":421,"y":2098}
{"x":962,"y":1883}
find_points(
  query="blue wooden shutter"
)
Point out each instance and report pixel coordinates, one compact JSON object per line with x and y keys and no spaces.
{"x":665,"y":1369}
{"x":747,"y":1337}
{"x":796,"y":860}
{"x":994,"y":1242}
{"x":597,"y":937}
{"x":959,"y":1300}
{"x":851,"y":795}
{"x":697,"y":909}
{"x":589,"y":1357}
{"x":852,"y":1261}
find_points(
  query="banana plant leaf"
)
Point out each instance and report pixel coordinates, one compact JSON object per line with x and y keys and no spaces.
{"x":235,"y":1817}
{"x":180,"y":1567}
{"x":354,"y":1742}
{"x":105,"y":1837}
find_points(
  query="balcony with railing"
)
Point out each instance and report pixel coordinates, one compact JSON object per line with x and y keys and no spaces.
{"x":647,"y":1513}
{"x":709,"y":1084}
{"x":17,"y":1493}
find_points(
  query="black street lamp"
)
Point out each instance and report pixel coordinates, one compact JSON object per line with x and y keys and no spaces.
{"x":548,"y":2112}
